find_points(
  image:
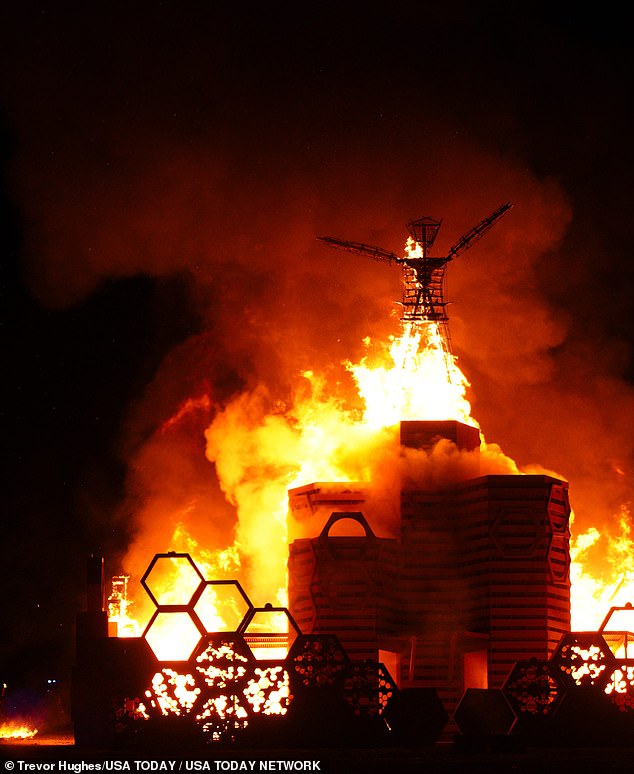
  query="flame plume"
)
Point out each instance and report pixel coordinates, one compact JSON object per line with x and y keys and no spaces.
{"x":594,"y":590}
{"x":261,"y":448}
{"x":418,"y":379}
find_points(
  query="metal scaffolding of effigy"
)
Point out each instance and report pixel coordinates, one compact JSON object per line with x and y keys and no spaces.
{"x":423,"y":275}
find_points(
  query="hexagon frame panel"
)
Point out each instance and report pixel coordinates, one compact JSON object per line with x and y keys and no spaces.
{"x":620,"y":686}
{"x":317,"y":661}
{"x":268,"y":690}
{"x":195,"y":581}
{"x":225,"y":663}
{"x":269,"y":643}
{"x":484,"y":712}
{"x":173,"y":692}
{"x":178,"y":649}
{"x":583,"y":659}
{"x":233,"y":598}
{"x":368,"y":687}
{"x":533,"y":688}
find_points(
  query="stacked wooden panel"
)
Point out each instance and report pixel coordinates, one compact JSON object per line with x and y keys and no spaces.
{"x":515,"y":531}
{"x":477,"y":581}
{"x":337,"y":585}
{"x":430,"y":591}
{"x":310,"y":506}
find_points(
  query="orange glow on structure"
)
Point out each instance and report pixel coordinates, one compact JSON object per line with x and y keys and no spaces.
{"x":261,"y":448}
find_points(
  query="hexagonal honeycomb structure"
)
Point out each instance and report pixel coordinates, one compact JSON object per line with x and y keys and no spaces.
{"x":222,"y":606}
{"x":172,"y":579}
{"x":484,"y":712}
{"x":172,"y":635}
{"x":173,"y":692}
{"x":583,"y":659}
{"x":368,"y":687}
{"x":270,"y":632}
{"x":268,"y":690}
{"x":317,"y":660}
{"x":533,"y":688}
{"x":620,"y":686}
{"x":225,"y":664}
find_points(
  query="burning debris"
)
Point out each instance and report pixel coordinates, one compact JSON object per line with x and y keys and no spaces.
{"x":16,"y":730}
{"x":37,"y":709}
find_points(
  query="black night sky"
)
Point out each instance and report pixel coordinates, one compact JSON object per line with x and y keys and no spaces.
{"x":166,"y":168}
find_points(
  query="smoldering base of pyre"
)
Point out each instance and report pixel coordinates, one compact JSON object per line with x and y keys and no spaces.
{"x":456,"y":629}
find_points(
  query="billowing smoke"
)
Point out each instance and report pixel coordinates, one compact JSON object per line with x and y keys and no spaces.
{"x":207,"y":175}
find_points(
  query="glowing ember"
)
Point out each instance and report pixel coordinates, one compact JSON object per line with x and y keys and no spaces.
{"x":16,"y":730}
{"x":269,"y":691}
{"x":621,"y":687}
{"x":587,"y":664}
{"x":172,"y":692}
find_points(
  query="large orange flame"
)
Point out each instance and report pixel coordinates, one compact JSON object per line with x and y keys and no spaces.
{"x":595,"y":589}
{"x":261,"y":449}
{"x":417,"y":379}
